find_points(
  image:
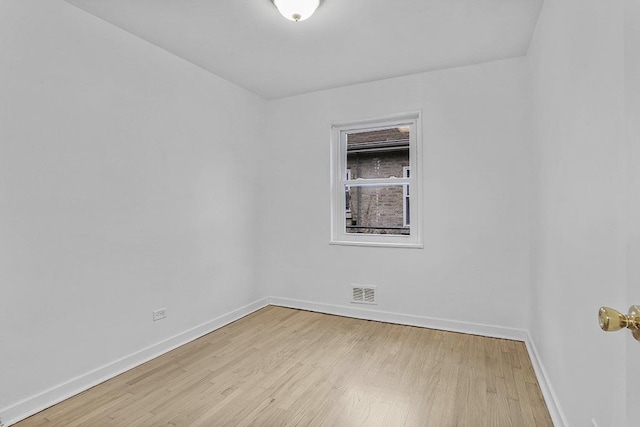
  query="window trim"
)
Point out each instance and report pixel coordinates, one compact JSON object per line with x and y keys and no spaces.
{"x":406,"y":198}
{"x":339,"y":130}
{"x":347,"y":192}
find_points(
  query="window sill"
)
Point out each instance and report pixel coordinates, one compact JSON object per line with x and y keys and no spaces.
{"x":378,"y":244}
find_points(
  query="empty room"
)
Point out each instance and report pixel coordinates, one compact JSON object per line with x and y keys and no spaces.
{"x":320,"y":212}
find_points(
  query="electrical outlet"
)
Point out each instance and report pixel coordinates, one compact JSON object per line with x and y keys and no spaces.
{"x":160,"y":313}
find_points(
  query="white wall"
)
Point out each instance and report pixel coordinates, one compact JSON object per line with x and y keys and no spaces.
{"x":632,"y":106}
{"x":474,"y":267}
{"x":578,"y":245}
{"x":126,"y":185}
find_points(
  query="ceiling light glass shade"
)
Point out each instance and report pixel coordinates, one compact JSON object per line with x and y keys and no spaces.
{"x":297,"y":10}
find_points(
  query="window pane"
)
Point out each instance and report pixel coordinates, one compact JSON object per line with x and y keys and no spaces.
{"x":376,"y":210}
{"x":379,"y":153}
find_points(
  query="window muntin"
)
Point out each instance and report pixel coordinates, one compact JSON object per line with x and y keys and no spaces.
{"x":371,"y":163}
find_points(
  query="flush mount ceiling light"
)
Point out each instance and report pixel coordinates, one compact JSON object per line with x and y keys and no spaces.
{"x":297,"y":10}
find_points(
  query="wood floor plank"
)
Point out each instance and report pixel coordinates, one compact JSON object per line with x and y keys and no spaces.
{"x":285,"y":367}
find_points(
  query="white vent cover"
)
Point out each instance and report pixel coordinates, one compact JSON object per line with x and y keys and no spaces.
{"x":364,"y":294}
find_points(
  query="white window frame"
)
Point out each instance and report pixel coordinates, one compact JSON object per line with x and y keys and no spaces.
{"x":406,"y":197}
{"x":339,"y":181}
{"x":346,"y":191}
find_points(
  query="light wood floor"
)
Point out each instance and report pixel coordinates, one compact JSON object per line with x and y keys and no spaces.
{"x":280,"y":367}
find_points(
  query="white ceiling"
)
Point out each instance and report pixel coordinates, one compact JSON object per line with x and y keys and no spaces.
{"x":346,"y":41}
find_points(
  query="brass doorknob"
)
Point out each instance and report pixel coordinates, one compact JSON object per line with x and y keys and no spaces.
{"x":612,"y":320}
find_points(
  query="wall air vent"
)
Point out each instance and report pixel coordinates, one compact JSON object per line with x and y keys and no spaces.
{"x":364,"y":294}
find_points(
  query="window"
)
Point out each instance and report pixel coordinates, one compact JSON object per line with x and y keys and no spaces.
{"x":375,"y":182}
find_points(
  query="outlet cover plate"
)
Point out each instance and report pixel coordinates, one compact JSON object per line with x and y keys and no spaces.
{"x":160,"y":313}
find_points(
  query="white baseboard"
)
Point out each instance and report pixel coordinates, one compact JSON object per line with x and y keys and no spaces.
{"x":47,"y":398}
{"x":557,"y":416}
{"x":404,"y":319}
